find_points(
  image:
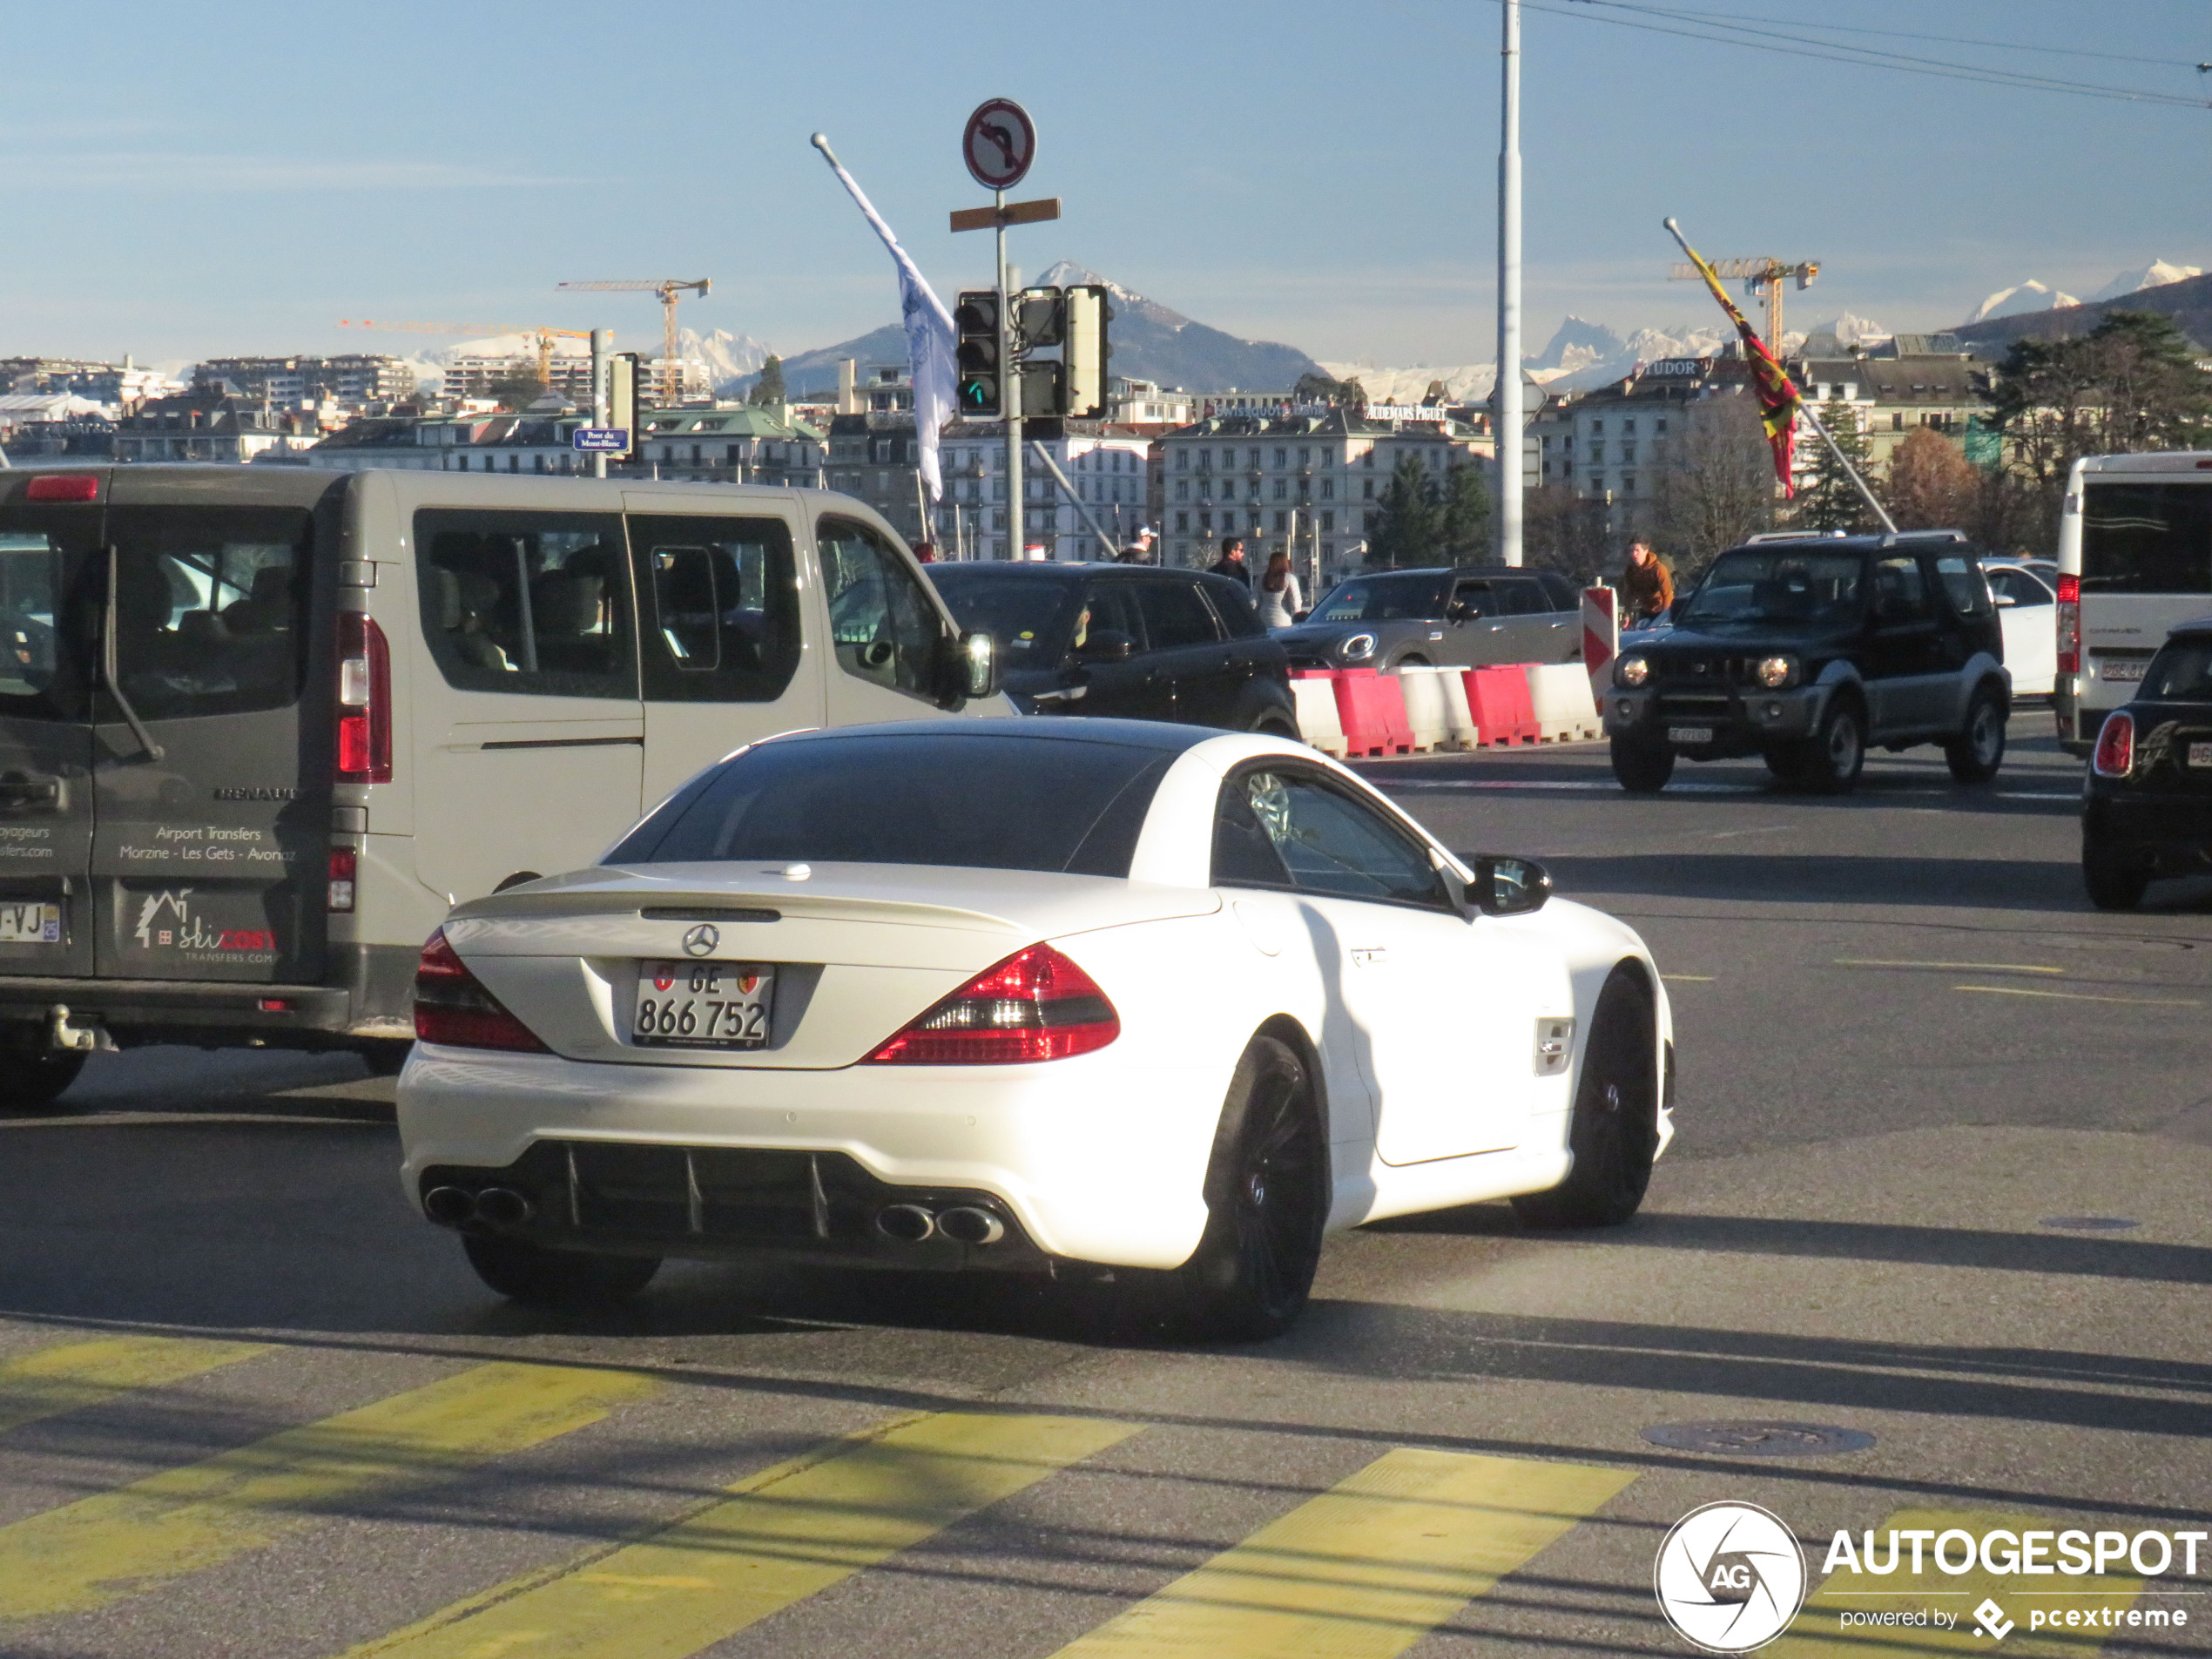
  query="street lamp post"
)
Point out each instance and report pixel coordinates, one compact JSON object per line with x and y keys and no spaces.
{"x":1505,"y":427}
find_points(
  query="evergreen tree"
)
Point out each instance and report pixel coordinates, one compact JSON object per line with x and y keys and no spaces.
{"x":769,"y":388}
{"x":1832,"y":502}
{"x":1409,"y":521}
{"x":1464,"y":513}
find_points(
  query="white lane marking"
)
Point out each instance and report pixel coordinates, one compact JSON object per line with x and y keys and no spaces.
{"x":2080,"y":996}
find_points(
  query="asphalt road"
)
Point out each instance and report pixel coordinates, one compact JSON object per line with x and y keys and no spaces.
{"x":249,"y":1405}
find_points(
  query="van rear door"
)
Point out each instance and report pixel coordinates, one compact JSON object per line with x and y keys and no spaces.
{"x":49,"y":555}
{"x":211,"y":791}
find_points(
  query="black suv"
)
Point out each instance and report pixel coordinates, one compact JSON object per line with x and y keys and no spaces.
{"x":1130,"y":641}
{"x":1808,"y":650}
{"x":1471,"y":617}
{"x":2147,"y":807}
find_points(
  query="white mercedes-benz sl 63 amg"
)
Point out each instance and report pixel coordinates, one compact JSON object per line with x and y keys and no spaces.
{"x":1074,"y":997}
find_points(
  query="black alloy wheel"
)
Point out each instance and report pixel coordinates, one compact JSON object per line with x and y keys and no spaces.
{"x":29,"y":1082}
{"x":1614,"y":1132}
{"x":1831,"y":763}
{"x":1267,"y":1193}
{"x":537,"y":1277}
{"x":1642,"y":767}
{"x":1975,"y":754}
{"x":2116,"y":880}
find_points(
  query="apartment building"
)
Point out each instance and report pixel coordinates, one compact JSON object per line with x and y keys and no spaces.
{"x":351,"y":381}
{"x":1104,"y":462}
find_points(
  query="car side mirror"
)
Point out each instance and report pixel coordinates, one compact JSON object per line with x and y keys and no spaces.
{"x":1459,"y":611}
{"x":1108,"y":645}
{"x":972,"y":670}
{"x":1506,"y":887}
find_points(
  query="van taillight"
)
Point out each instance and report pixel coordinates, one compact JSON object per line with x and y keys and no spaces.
{"x":364,"y":701}
{"x":2116,"y":755}
{"x":345,"y":865}
{"x":2069,"y":624}
{"x":63,"y":486}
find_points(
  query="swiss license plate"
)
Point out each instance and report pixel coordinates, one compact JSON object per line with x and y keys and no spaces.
{"x":30,"y":924}
{"x":703,"y":1005}
{"x":2122,"y":671}
{"x":2201,"y":754}
{"x":1691,"y":734}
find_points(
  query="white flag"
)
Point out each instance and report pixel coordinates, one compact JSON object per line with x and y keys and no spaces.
{"x":929,"y":336}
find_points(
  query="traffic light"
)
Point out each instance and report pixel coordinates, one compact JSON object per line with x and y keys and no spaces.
{"x":975,"y":322}
{"x":1043,"y":388}
{"x":1039,"y":316}
{"x":625,"y":379}
{"x":1084,"y":350}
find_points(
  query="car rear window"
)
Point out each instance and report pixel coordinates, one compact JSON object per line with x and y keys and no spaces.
{"x":2147,"y":538}
{"x":2182,"y":672}
{"x":979,"y":801}
{"x":211,"y":607}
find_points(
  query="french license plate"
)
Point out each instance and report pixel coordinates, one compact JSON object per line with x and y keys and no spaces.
{"x":703,"y":1005}
{"x":1690,"y":734}
{"x":31,"y":924}
{"x":2111,"y":671}
{"x":2201,"y":754}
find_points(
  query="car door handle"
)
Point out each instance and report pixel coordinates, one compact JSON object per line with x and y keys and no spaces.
{"x":26,"y":792}
{"x":1368,"y":955}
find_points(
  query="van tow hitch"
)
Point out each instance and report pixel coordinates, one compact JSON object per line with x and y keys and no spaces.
{"x":76,"y":1039}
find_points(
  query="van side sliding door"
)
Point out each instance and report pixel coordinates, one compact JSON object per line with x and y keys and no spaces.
{"x":528,"y":732}
{"x":722,"y":640}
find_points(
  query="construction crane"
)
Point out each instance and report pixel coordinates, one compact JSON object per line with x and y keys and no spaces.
{"x":1756,"y":275}
{"x":667,"y":288}
{"x":544,"y":337}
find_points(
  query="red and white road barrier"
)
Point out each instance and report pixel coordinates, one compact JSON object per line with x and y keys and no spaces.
{"x":1356,"y":713}
{"x":1600,"y":636}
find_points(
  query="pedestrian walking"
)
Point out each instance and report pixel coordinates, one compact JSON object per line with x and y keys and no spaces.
{"x":1646,"y":585}
{"x":1138,"y":550}
{"x":1232,"y":562}
{"x":1280,"y":599}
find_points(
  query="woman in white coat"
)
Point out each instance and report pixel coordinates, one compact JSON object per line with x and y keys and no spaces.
{"x":1279,"y":600}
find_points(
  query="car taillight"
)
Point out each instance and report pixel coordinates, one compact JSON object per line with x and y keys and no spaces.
{"x":2116,"y":755}
{"x":63,"y":486}
{"x":452,"y":1005}
{"x":1035,"y":1005}
{"x":2069,"y":623}
{"x":364,"y":701}
{"x":344,"y":863}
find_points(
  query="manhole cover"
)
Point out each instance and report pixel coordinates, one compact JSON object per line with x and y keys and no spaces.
{"x":2089,"y":1224}
{"x":1759,"y":1440}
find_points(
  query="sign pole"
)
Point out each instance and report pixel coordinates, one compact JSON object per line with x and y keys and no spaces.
{"x":1010,"y":397}
{"x":600,"y":395}
{"x":1505,"y":422}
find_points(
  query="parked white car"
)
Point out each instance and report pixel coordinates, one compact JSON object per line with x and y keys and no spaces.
{"x":2026,"y":610}
{"x":1034,"y":995}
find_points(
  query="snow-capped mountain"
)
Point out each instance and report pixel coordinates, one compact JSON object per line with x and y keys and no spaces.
{"x":2030,"y":295}
{"x":1576,"y":344}
{"x":1463,"y":382}
{"x":1852,"y":330}
{"x":2156,"y":274}
{"x":728,"y":357}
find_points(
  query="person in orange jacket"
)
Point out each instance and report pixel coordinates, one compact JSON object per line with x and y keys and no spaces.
{"x":1646,"y":585}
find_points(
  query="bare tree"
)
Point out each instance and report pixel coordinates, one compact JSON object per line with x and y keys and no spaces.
{"x":1566,"y":532}
{"x":1717,"y":484}
{"x":1932,"y":486}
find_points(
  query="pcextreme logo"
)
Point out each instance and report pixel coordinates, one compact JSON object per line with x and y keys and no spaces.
{"x":1729,"y":1577}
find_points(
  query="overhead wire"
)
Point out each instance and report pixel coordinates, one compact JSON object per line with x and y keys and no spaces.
{"x":1907,"y":34}
{"x":1789,"y":46}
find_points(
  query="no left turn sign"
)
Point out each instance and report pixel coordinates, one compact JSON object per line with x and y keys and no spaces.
{"x":999,"y":143}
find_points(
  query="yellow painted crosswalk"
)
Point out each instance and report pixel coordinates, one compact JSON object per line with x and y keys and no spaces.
{"x":1368,"y":1568}
{"x":778,"y":1537}
{"x":1362,"y":1571}
{"x":71,"y":1376}
{"x":100,"y":1549}
{"x":1822,"y":1632}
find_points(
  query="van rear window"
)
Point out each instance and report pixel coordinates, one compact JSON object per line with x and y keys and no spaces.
{"x":2147,"y":538}
{"x":533,"y":603}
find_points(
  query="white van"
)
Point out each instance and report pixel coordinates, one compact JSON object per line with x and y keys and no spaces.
{"x":260,"y":727}
{"x":2135,"y":559}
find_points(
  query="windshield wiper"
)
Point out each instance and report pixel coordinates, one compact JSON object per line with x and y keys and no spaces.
{"x":108,"y":674}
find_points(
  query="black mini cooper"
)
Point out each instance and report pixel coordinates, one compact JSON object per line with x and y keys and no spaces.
{"x":1809,"y":650}
{"x":2146,"y":810}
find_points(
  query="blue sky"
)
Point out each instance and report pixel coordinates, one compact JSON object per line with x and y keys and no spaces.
{"x":185,"y":180}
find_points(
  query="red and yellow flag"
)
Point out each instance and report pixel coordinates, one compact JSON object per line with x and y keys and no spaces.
{"x":1778,"y":396}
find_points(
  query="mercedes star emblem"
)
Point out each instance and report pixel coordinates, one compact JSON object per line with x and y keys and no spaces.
{"x":702,"y":939}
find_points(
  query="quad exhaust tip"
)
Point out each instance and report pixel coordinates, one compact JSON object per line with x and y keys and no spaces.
{"x":967,"y":1225}
{"x":912,"y":1223}
{"x":908,"y":1222}
{"x":494,"y":1206}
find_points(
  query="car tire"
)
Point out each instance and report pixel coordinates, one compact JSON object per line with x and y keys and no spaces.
{"x":1273,"y":724}
{"x":1641,"y":768}
{"x":1267,"y":1192}
{"x":1978,"y":750}
{"x":2116,"y":880}
{"x":386,"y":1058}
{"x":30,"y":1082}
{"x":1613,"y":1133}
{"x":1831,"y":763}
{"x":537,"y":1277}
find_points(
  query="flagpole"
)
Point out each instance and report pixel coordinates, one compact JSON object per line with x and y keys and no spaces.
{"x":1504,"y":426}
{"x":1804,"y":409}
